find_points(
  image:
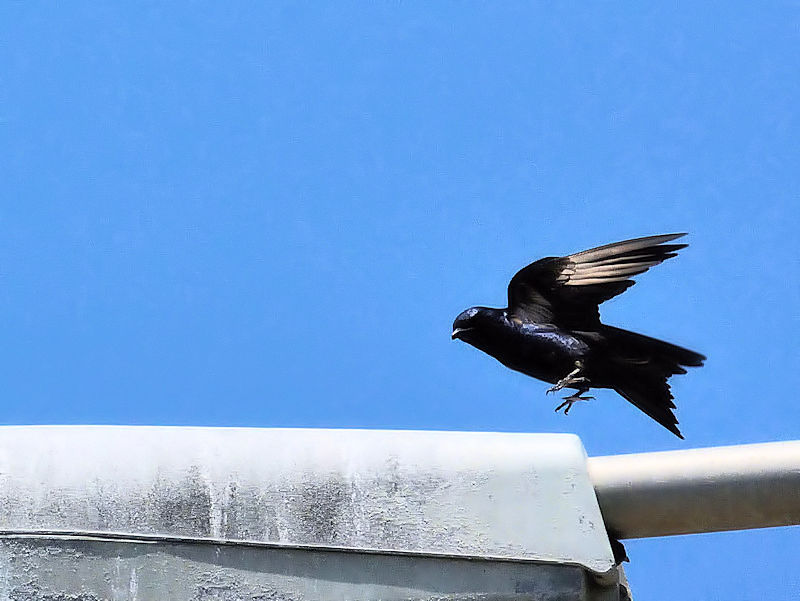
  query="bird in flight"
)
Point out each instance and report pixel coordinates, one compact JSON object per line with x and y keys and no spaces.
{"x":551,"y":329}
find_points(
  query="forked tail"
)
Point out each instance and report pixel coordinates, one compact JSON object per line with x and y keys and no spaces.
{"x":640,"y":369}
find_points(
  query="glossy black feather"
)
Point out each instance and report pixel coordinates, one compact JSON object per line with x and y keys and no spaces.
{"x":552,"y":321}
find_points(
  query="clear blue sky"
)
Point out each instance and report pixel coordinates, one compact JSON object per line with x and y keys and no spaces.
{"x":268,"y":214}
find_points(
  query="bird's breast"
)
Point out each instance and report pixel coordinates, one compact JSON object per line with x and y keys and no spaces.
{"x":542,"y":352}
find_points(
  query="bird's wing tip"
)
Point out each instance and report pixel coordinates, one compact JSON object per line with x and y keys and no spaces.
{"x":662,"y":238}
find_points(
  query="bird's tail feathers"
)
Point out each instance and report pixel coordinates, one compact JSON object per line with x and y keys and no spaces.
{"x":652,"y":396}
{"x":641,"y":367}
{"x":640,"y":348}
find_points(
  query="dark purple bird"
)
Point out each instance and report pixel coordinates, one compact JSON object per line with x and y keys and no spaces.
{"x":551,"y":329}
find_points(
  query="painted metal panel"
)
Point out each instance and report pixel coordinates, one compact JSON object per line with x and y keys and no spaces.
{"x":90,"y":570}
{"x":523,"y":497}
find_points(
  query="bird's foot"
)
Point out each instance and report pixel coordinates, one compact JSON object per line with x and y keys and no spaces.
{"x":570,"y":400}
{"x":570,"y":379}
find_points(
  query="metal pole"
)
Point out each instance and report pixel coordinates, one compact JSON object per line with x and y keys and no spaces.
{"x":699,"y":490}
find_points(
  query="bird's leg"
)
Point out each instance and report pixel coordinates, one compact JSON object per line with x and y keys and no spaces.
{"x":574,"y":398}
{"x":575,"y":379}
{"x":570,"y":379}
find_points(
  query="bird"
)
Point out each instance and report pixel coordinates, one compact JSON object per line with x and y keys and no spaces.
{"x":551,"y":328}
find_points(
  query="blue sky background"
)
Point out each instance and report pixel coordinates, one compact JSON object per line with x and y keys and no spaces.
{"x":268,"y":214}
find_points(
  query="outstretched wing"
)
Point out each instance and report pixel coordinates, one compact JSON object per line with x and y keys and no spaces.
{"x":566,"y":291}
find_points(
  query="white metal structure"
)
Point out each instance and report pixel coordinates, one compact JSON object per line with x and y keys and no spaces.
{"x":699,"y":490}
{"x":155,"y":513}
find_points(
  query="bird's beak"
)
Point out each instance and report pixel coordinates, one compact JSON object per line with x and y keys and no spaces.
{"x":456,"y":332}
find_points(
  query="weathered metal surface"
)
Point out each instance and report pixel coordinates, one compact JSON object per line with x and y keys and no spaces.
{"x":80,"y":570}
{"x":699,"y":490}
{"x":509,"y":496}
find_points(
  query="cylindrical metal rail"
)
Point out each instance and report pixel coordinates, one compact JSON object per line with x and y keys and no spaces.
{"x":699,"y":490}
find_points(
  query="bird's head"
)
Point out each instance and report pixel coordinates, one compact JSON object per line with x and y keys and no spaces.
{"x":467,"y":321}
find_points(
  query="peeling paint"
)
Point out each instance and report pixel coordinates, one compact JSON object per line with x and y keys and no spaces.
{"x":133,"y":586}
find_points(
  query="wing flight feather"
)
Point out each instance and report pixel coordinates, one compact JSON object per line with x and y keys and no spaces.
{"x":567,"y":290}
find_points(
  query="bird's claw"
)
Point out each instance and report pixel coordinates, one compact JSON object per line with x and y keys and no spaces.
{"x":570,"y":379}
{"x":570,"y":400}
